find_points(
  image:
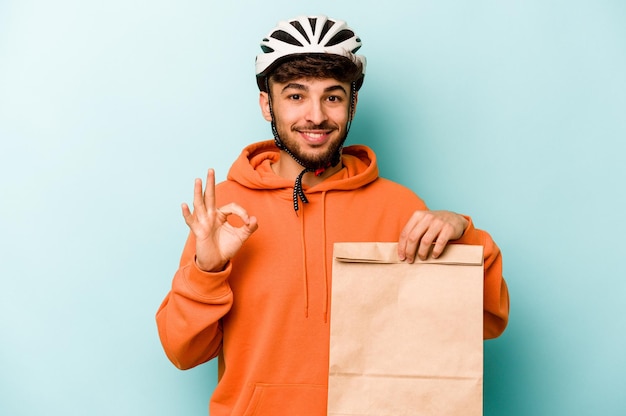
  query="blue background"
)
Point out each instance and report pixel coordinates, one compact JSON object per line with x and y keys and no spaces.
{"x":510,"y":111}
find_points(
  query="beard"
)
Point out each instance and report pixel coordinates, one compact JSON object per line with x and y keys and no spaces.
{"x":312,"y":160}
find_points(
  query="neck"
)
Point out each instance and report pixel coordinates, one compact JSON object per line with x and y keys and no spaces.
{"x":288,"y":168}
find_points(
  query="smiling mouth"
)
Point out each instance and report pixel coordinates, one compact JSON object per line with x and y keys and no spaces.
{"x":316,"y":137}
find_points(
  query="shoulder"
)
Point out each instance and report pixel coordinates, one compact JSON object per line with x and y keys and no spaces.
{"x":395,"y":193}
{"x":388,"y":185}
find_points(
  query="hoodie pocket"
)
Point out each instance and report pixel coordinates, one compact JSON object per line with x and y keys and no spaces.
{"x":288,"y":400}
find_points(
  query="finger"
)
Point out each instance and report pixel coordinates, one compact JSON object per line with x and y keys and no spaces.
{"x":209,"y":192}
{"x":404,"y":237}
{"x":235,"y":209}
{"x":423,"y":250}
{"x":412,"y":239}
{"x":198,"y":203}
{"x":439,"y":246}
{"x":402,"y":245}
{"x":186,"y":213}
{"x":430,"y":237}
{"x":246,"y":230}
{"x":251,"y":226}
{"x":448,"y":232}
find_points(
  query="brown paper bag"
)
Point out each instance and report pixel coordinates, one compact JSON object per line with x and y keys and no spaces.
{"x":406,"y":339}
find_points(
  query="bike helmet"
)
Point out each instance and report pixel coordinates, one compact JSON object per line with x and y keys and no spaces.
{"x":306,"y":35}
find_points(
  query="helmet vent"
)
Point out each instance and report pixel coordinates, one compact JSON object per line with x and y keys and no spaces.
{"x":326,"y":28}
{"x":300,"y":29}
{"x":313,"y":23}
{"x":340,"y":37}
{"x":285,"y":37}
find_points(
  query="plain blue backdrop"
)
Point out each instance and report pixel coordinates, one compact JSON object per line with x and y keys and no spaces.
{"x":510,"y":111}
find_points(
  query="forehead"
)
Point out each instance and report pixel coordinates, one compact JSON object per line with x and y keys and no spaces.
{"x":312,"y":84}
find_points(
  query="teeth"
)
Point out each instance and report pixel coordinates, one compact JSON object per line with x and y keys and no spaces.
{"x":315,"y":135}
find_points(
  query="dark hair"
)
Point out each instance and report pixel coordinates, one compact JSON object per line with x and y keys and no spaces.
{"x":319,"y":65}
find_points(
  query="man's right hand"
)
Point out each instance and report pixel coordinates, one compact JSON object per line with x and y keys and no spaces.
{"x":216,"y":240}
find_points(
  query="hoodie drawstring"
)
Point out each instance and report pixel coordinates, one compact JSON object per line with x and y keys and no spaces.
{"x":298,"y":191}
{"x":326,"y":279}
{"x":297,"y":187}
{"x":305,"y":276}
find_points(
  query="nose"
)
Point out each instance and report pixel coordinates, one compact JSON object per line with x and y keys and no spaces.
{"x":316,"y":113}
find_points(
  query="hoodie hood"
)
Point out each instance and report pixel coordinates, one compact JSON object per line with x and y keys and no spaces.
{"x":253,"y":170}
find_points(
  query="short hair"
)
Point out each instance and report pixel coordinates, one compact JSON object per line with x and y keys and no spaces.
{"x":320,"y":66}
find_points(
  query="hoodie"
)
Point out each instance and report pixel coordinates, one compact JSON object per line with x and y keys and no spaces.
{"x":266,"y":316}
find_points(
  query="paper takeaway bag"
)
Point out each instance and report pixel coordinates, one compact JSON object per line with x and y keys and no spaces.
{"x":406,"y":339}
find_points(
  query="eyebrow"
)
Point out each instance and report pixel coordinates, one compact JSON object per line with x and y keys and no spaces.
{"x":301,"y":87}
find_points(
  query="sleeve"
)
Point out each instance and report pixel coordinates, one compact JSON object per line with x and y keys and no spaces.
{"x":188,"y":319}
{"x":496,"y":294}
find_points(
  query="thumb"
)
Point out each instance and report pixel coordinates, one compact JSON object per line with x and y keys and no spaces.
{"x":246,"y":230}
{"x":251,"y":226}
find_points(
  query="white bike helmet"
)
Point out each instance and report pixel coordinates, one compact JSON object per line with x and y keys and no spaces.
{"x":306,"y":35}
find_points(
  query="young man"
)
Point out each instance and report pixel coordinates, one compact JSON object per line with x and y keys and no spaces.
{"x":253,"y":287}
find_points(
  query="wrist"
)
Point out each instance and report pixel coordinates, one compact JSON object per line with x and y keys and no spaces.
{"x":210,"y":268}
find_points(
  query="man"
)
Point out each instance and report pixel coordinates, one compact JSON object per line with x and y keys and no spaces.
{"x":253,"y":287}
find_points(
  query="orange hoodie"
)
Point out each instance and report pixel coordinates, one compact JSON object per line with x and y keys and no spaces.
{"x":267,"y":314}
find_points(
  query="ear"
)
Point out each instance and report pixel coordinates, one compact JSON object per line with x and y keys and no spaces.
{"x":264,"y":103}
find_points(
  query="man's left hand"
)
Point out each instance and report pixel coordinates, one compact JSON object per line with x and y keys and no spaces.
{"x":429,"y":229}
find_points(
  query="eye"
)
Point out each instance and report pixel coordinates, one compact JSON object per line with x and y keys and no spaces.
{"x":295,"y":97}
{"x":334,"y":98}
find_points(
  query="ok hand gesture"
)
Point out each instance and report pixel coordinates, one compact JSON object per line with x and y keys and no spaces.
{"x":216,"y":240}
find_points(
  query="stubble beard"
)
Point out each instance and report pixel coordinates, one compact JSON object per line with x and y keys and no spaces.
{"x":308,"y":159}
